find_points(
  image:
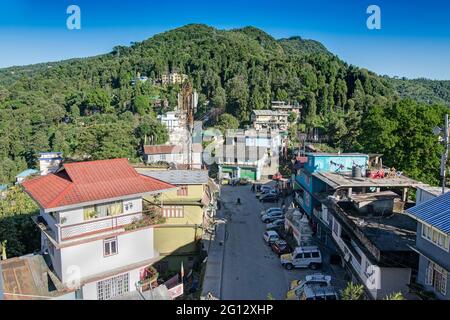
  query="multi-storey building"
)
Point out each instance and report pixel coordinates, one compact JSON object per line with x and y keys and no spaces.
{"x":96,"y":235}
{"x":355,"y":208}
{"x":432,"y":244}
{"x":184,"y":156}
{"x":270,"y":119}
{"x":187,"y":212}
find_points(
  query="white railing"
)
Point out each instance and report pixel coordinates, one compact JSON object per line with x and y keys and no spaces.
{"x":96,"y":225}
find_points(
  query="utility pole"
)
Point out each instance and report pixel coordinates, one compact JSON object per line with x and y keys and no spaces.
{"x":445,"y":154}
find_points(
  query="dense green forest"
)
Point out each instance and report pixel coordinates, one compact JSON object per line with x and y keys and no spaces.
{"x":88,"y":108}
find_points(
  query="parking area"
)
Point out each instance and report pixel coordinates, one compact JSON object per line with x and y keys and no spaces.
{"x":250,"y":269}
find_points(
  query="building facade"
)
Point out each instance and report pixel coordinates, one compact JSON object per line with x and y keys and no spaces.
{"x":97,"y":236}
{"x":184,"y":155}
{"x":432,"y":244}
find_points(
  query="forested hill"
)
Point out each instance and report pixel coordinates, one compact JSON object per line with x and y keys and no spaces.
{"x":88,"y":108}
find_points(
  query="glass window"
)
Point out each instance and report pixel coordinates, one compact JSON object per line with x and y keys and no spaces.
{"x":110,"y":247}
{"x":307,"y":255}
{"x":315,"y":255}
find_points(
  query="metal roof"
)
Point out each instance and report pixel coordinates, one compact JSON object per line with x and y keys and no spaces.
{"x":435,"y":212}
{"x":177,"y":176}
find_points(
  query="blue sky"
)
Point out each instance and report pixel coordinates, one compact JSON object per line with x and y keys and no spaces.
{"x":414,"y":40}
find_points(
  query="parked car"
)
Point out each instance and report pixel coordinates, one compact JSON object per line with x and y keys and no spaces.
{"x":275,"y":224}
{"x":273,"y":209}
{"x":297,"y":286}
{"x":268,"y":218}
{"x":313,"y":292}
{"x":270,"y":197}
{"x":265,"y":190}
{"x":302,"y":257}
{"x":270,"y":237}
{"x":280,"y":247}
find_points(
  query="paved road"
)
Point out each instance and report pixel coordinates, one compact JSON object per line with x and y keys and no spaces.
{"x":250,"y":269}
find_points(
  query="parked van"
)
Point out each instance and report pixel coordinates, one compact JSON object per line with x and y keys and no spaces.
{"x":319,"y":293}
{"x":302,"y":257}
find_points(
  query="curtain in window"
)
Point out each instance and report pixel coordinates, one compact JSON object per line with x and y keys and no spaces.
{"x":88,"y":212}
{"x":115,"y":208}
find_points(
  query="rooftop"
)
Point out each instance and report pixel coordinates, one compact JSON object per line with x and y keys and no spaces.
{"x":385,"y":235}
{"x":26,"y":173}
{"x":345,"y":180}
{"x":90,"y":181}
{"x":169,"y":148}
{"x":269,"y":113}
{"x":437,"y":191}
{"x":28,"y":277}
{"x":435,"y":212}
{"x":335,"y":154}
{"x":177,"y":177}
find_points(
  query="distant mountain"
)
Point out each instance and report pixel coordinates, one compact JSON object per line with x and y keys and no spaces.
{"x":89,"y":108}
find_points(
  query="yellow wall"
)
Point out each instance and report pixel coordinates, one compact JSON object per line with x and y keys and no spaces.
{"x":195,"y":193}
{"x":180,"y":237}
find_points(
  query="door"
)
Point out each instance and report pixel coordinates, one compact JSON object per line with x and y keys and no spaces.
{"x":113,"y":287}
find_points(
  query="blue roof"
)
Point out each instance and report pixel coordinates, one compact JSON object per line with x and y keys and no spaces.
{"x":27,"y":173}
{"x":435,"y":212}
{"x":3,"y":187}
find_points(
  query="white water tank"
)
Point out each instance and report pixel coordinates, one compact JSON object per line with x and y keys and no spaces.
{"x":49,"y":162}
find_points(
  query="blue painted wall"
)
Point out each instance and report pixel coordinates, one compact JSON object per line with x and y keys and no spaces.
{"x":335,"y":163}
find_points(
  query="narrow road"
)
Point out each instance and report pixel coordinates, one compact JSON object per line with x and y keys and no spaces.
{"x":250,"y":269}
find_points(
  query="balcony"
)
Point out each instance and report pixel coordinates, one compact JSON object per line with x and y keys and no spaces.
{"x":96,"y":225}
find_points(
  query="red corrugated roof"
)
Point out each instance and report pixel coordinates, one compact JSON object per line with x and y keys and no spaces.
{"x":81,"y":182}
{"x":161,"y":149}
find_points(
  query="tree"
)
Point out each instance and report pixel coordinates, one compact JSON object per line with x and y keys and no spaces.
{"x":353,"y":292}
{"x":16,"y":227}
{"x":227,"y":121}
{"x":395,"y":296}
{"x":97,"y":100}
{"x":142,"y":105}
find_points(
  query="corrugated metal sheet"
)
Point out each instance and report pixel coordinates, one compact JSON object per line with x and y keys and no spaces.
{"x":435,"y":212}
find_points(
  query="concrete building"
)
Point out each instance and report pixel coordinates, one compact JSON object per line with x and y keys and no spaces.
{"x":188,"y":211}
{"x":270,"y":119}
{"x":432,"y":244}
{"x":173,"y":78}
{"x":95,"y":232}
{"x":356,"y":208}
{"x":184,"y":155}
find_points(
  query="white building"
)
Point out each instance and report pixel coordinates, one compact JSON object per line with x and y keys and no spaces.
{"x":170,"y":120}
{"x":183,"y":155}
{"x":98,"y":239}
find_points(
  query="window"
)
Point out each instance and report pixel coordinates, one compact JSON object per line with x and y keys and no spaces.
{"x":103,"y":210}
{"x":113,"y":287}
{"x":435,"y":236}
{"x":182,"y":191}
{"x":315,"y":255}
{"x":307,"y":255}
{"x":162,"y":157}
{"x":436,"y":276}
{"x":173,"y":211}
{"x":110,"y":247}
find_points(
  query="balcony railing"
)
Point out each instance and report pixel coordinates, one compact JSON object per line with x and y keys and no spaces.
{"x":97,"y":225}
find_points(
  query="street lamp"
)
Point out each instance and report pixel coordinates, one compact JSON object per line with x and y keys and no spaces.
{"x":443,"y":134}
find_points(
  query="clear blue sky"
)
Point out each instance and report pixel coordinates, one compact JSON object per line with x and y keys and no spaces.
{"x":414,"y":40}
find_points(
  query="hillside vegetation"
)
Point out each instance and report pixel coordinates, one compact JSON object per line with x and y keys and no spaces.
{"x":88,"y":109}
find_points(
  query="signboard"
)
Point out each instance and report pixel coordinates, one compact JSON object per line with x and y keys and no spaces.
{"x":176,"y":291}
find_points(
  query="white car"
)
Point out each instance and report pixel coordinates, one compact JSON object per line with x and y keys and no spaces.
{"x":302,"y":257}
{"x":270,"y":237}
{"x":275,"y":224}
{"x":273,"y":209}
{"x":298,"y":286}
{"x":268,"y":218}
